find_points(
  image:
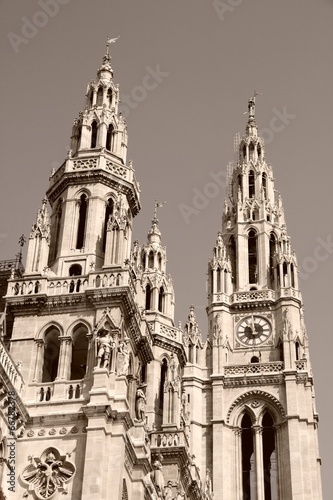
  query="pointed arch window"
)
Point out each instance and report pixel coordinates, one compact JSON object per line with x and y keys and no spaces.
{"x":148,"y":298}
{"x":297,"y":350}
{"x":244,"y":152}
{"x":99,"y":101}
{"x":79,"y":353}
{"x":93,"y":141}
{"x":285,"y":274}
{"x":218,"y":280}
{"x":240,"y":184}
{"x":82,"y":221}
{"x":232,"y":254}
{"x":264,"y":184}
{"x":51,"y":355}
{"x":259,"y":151}
{"x":292,"y":273}
{"x":151,"y":259}
{"x":109,"y":97}
{"x":108,"y":214}
{"x":252,"y":257}
{"x":251,"y":151}
{"x":269,"y":458}
{"x":159,"y":261}
{"x":272,"y":250}
{"x":164,"y":371}
{"x":248,"y":472}
{"x":161,"y":299}
{"x":109,"y":138}
{"x":251,"y":184}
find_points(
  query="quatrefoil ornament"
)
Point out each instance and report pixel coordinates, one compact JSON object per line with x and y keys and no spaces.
{"x":47,"y":475}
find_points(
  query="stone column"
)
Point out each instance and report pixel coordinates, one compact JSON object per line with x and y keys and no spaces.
{"x":65,"y":358}
{"x":38,"y":372}
{"x":259,"y":465}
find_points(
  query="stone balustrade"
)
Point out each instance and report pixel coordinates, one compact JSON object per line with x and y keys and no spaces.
{"x":96,"y":160}
{"x":48,"y":391}
{"x":7,"y":366}
{"x":254,"y":368}
{"x":301,"y":365}
{"x":253,"y":296}
{"x":162,"y":329}
{"x":168,"y":439}
{"x":51,"y":286}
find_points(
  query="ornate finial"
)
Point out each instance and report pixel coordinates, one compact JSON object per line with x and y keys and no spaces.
{"x":108,"y":41}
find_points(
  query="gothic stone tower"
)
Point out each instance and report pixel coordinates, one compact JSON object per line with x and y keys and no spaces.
{"x":254,"y":420}
{"x":94,"y":335}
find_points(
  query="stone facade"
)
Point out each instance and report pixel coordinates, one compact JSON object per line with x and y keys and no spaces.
{"x":112,"y":400}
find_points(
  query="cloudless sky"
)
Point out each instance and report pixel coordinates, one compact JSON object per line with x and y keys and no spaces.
{"x":211,"y":60}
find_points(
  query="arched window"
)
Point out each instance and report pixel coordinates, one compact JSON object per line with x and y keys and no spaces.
{"x":82,"y":221}
{"x":164,"y":371}
{"x":91,"y":98}
{"x":232,"y":254}
{"x":248,"y":471}
{"x":75,"y":270}
{"x":51,"y":355}
{"x":297,"y":350}
{"x":264,"y":184}
{"x":148,"y":297}
{"x":251,"y":184}
{"x":272,"y":250}
{"x":240,"y":184}
{"x":55,"y":244}
{"x":108,"y":213}
{"x":252,"y":257}
{"x":254,"y":359}
{"x":285,"y":274}
{"x":225,"y":277}
{"x":159,"y":261}
{"x":218,"y":280}
{"x":244,"y":152}
{"x":269,"y":458}
{"x":292,"y":272}
{"x":109,"y":138}
{"x":99,"y":101}
{"x":259,"y":151}
{"x":161,"y":298}
{"x":93,"y":141}
{"x":251,"y":150}
{"x":109,"y":97}
{"x":151,"y":259}
{"x":79,"y":353}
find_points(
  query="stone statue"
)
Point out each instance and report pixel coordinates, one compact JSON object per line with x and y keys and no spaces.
{"x":140,"y":405}
{"x":105,"y":344}
{"x":157,"y":476}
{"x":208,"y":484}
{"x":168,"y":491}
{"x":122,"y":358}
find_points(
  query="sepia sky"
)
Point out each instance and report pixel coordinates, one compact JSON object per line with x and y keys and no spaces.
{"x":186,"y":70}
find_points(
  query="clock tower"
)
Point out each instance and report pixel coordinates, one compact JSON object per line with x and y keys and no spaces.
{"x":253,"y":375}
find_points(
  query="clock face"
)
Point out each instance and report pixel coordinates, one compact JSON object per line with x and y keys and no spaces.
{"x":253,"y":330}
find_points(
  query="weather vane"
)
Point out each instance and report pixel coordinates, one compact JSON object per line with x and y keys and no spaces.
{"x":252,"y":104}
{"x":158,"y":205}
{"x":108,"y":41}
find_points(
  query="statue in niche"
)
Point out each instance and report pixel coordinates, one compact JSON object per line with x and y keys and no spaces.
{"x":140,"y":405}
{"x":122,"y":358}
{"x":105,"y":345}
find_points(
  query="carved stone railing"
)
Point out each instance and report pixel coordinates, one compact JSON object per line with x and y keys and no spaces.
{"x":162,"y":329}
{"x":253,"y":296}
{"x":254,"y":368}
{"x":168,"y":439}
{"x":7,"y":366}
{"x":69,"y":285}
{"x":96,"y":160}
{"x":49,"y":391}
